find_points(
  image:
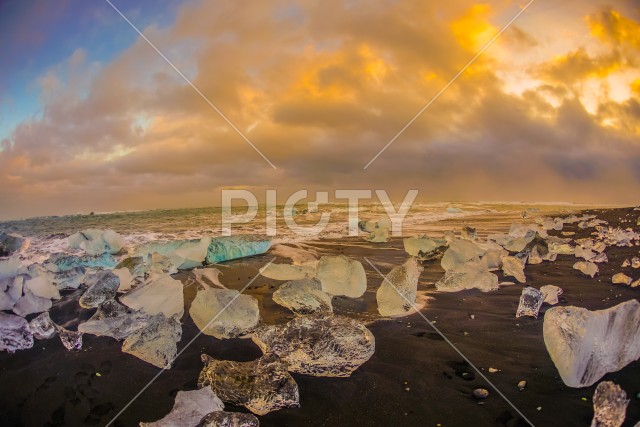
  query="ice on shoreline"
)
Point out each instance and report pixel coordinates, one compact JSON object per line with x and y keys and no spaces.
{"x":397,"y":292}
{"x":161,"y":294}
{"x":227,"y":248}
{"x":303,"y":296}
{"x":97,"y":242}
{"x":189,"y":408}
{"x":340,"y":275}
{"x":224,"y":313}
{"x":156,"y":342}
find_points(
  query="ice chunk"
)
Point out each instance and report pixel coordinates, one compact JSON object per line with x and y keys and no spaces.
{"x":635,"y":262}
{"x":340,"y":275}
{"x":229,"y":419}
{"x":97,"y":242}
{"x":9,"y":244}
{"x":460,"y":252}
{"x":10,"y":292}
{"x":454,"y":210}
{"x":112,"y":319}
{"x":609,"y":405}
{"x":157,"y":295}
{"x":208,"y":276}
{"x":102,"y":287}
{"x":303,"y":296}
{"x":550,"y":294}
{"x":283,"y":272}
{"x":397,"y":293}
{"x":183,"y":254}
{"x":422,"y":245}
{"x":584,"y":345}
{"x":469,"y":233}
{"x":189,"y":408}
{"x":62,"y":262}
{"x":587,"y":254}
{"x":530,"y":302}
{"x":71,"y":340}
{"x":224,"y":313}
{"x":42,"y":326}
{"x":136,"y":265}
{"x":125,"y":279}
{"x":262,"y":385}
{"x":155,"y":343}
{"x":586,"y":267}
{"x":513,"y":267}
{"x":321,"y":345}
{"x":231,"y":247}
{"x":621,"y":278}
{"x":29,"y":304}
{"x":626,"y":263}
{"x":601,"y":257}
{"x":492,"y":259}
{"x":69,"y":279}
{"x":10,"y":267}
{"x":468,"y":276}
{"x":379,"y":233}
{"x":14,"y":333}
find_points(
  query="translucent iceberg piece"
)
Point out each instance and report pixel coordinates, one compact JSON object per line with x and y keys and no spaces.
{"x":136,"y":265}
{"x":125,"y":279}
{"x":157,"y":295}
{"x":189,"y":408}
{"x":303,"y":296}
{"x":231,"y":247}
{"x":224,"y":313}
{"x":156,"y":343}
{"x":468,"y":276}
{"x":550,"y":294}
{"x":114,"y":320}
{"x":102,"y":287}
{"x":71,"y":340}
{"x":10,"y":292}
{"x":10,"y":267}
{"x":419,"y":246}
{"x":208,"y":276}
{"x":29,"y":304}
{"x":469,"y":233}
{"x":586,"y":267}
{"x":622,"y":279}
{"x":635,"y":262}
{"x":9,"y":244}
{"x":460,"y":252}
{"x":183,"y":254}
{"x":530,"y":302}
{"x":380,"y":234}
{"x":62,"y":262}
{"x":584,"y":345}
{"x":262,"y":385}
{"x":97,"y":242}
{"x":283,"y":272}
{"x":69,"y":279}
{"x":14,"y":333}
{"x":340,"y":275}
{"x":229,"y":419}
{"x":609,"y":405}
{"x":42,"y":327}
{"x":513,"y":267}
{"x":397,"y":293}
{"x":321,"y":345}
{"x":492,"y":259}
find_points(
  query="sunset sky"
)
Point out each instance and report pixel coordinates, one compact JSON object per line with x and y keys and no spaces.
{"x":93,"y":119}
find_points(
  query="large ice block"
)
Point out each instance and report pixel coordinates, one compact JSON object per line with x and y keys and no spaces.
{"x":183,"y":254}
{"x":161,"y":294}
{"x":340,"y":275}
{"x":513,"y":267}
{"x":189,"y":408}
{"x":609,"y":405}
{"x":397,"y":292}
{"x":155,"y":343}
{"x":303,"y":296}
{"x":459,"y":252}
{"x":585,"y":345}
{"x":42,"y":326}
{"x":97,"y":242}
{"x":321,"y":345}
{"x":226,"y":248}
{"x":468,"y":276}
{"x":102,"y":286}
{"x":285,"y":271}
{"x":113,"y":319}
{"x":9,"y":244}
{"x":14,"y":333}
{"x":62,"y":262}
{"x":224,"y":313}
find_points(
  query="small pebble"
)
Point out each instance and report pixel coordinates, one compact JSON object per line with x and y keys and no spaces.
{"x":472,"y":316}
{"x":480,"y":393}
{"x":539,"y":408}
{"x":407,"y":389}
{"x":522,"y":384}
{"x":493,"y":370}
{"x":98,"y":374}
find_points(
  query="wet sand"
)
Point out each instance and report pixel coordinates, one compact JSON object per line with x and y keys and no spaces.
{"x":49,"y":386}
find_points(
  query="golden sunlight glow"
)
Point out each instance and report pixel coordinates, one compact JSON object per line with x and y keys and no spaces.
{"x":473,"y":29}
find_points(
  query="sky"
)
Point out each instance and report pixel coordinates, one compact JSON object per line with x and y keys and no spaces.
{"x":92,"y":118}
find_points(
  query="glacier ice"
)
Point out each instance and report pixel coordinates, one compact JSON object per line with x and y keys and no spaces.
{"x":71,"y":340}
{"x":125,"y":279}
{"x":10,"y":291}
{"x":303,"y":296}
{"x":340,"y":275}
{"x":321,"y":345}
{"x":208,"y":276}
{"x":284,"y":271}
{"x":29,"y":304}
{"x":102,"y":286}
{"x":422,"y":246}
{"x":161,"y":294}
{"x":468,"y":276}
{"x":379,"y":233}
{"x":156,"y":342}
{"x":231,"y":247}
{"x":622,"y":279}
{"x":584,"y":345}
{"x":469,"y":233}
{"x":69,"y":279}
{"x":262,"y":385}
{"x":224,"y":313}
{"x":397,"y":293}
{"x":460,"y":252}
{"x":586,"y":267}
{"x":62,"y":262}
{"x":550,"y":294}
{"x":513,"y":267}
{"x":635,"y":262}
{"x":531,"y":300}
{"x":183,"y":254}
{"x":9,"y":244}
{"x":609,"y":405}
{"x":492,"y":259}
{"x":113,"y":319}
{"x":138,"y":266}
{"x":189,"y":408}
{"x":42,"y":327}
{"x":97,"y":242}
{"x":14,"y":333}
{"x":10,"y":267}
{"x":229,"y":419}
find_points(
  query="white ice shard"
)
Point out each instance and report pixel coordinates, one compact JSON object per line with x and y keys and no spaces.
{"x":397,"y":292}
{"x":617,"y":236}
{"x":224,"y":313}
{"x":284,"y":272}
{"x":229,"y":419}
{"x":14,"y":333}
{"x":321,"y":345}
{"x":208,"y":277}
{"x":460,"y":252}
{"x":584,"y":345}
{"x":586,"y":267}
{"x":340,"y":275}
{"x":10,"y":267}
{"x":303,"y":296}
{"x":97,"y":242}
{"x":262,"y":385}
{"x":29,"y":304}
{"x":157,"y":295}
{"x":609,"y":405}
{"x":513,"y":267}
{"x":189,"y":408}
{"x":183,"y":254}
{"x":102,"y":286}
{"x":232,"y":247}
{"x":156,"y":342}
{"x":621,"y":278}
{"x":42,"y":326}
{"x":125,"y":279}
{"x":10,"y":292}
{"x":112,"y":319}
{"x":530,"y":302}
{"x":492,"y":259}
{"x":71,"y":340}
{"x":422,"y":246}
{"x":550,"y":294}
{"x":468,"y":276}
{"x":42,"y":287}
{"x":585,"y":253}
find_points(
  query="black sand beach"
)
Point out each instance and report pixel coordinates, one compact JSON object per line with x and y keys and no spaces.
{"x":414,"y":378}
